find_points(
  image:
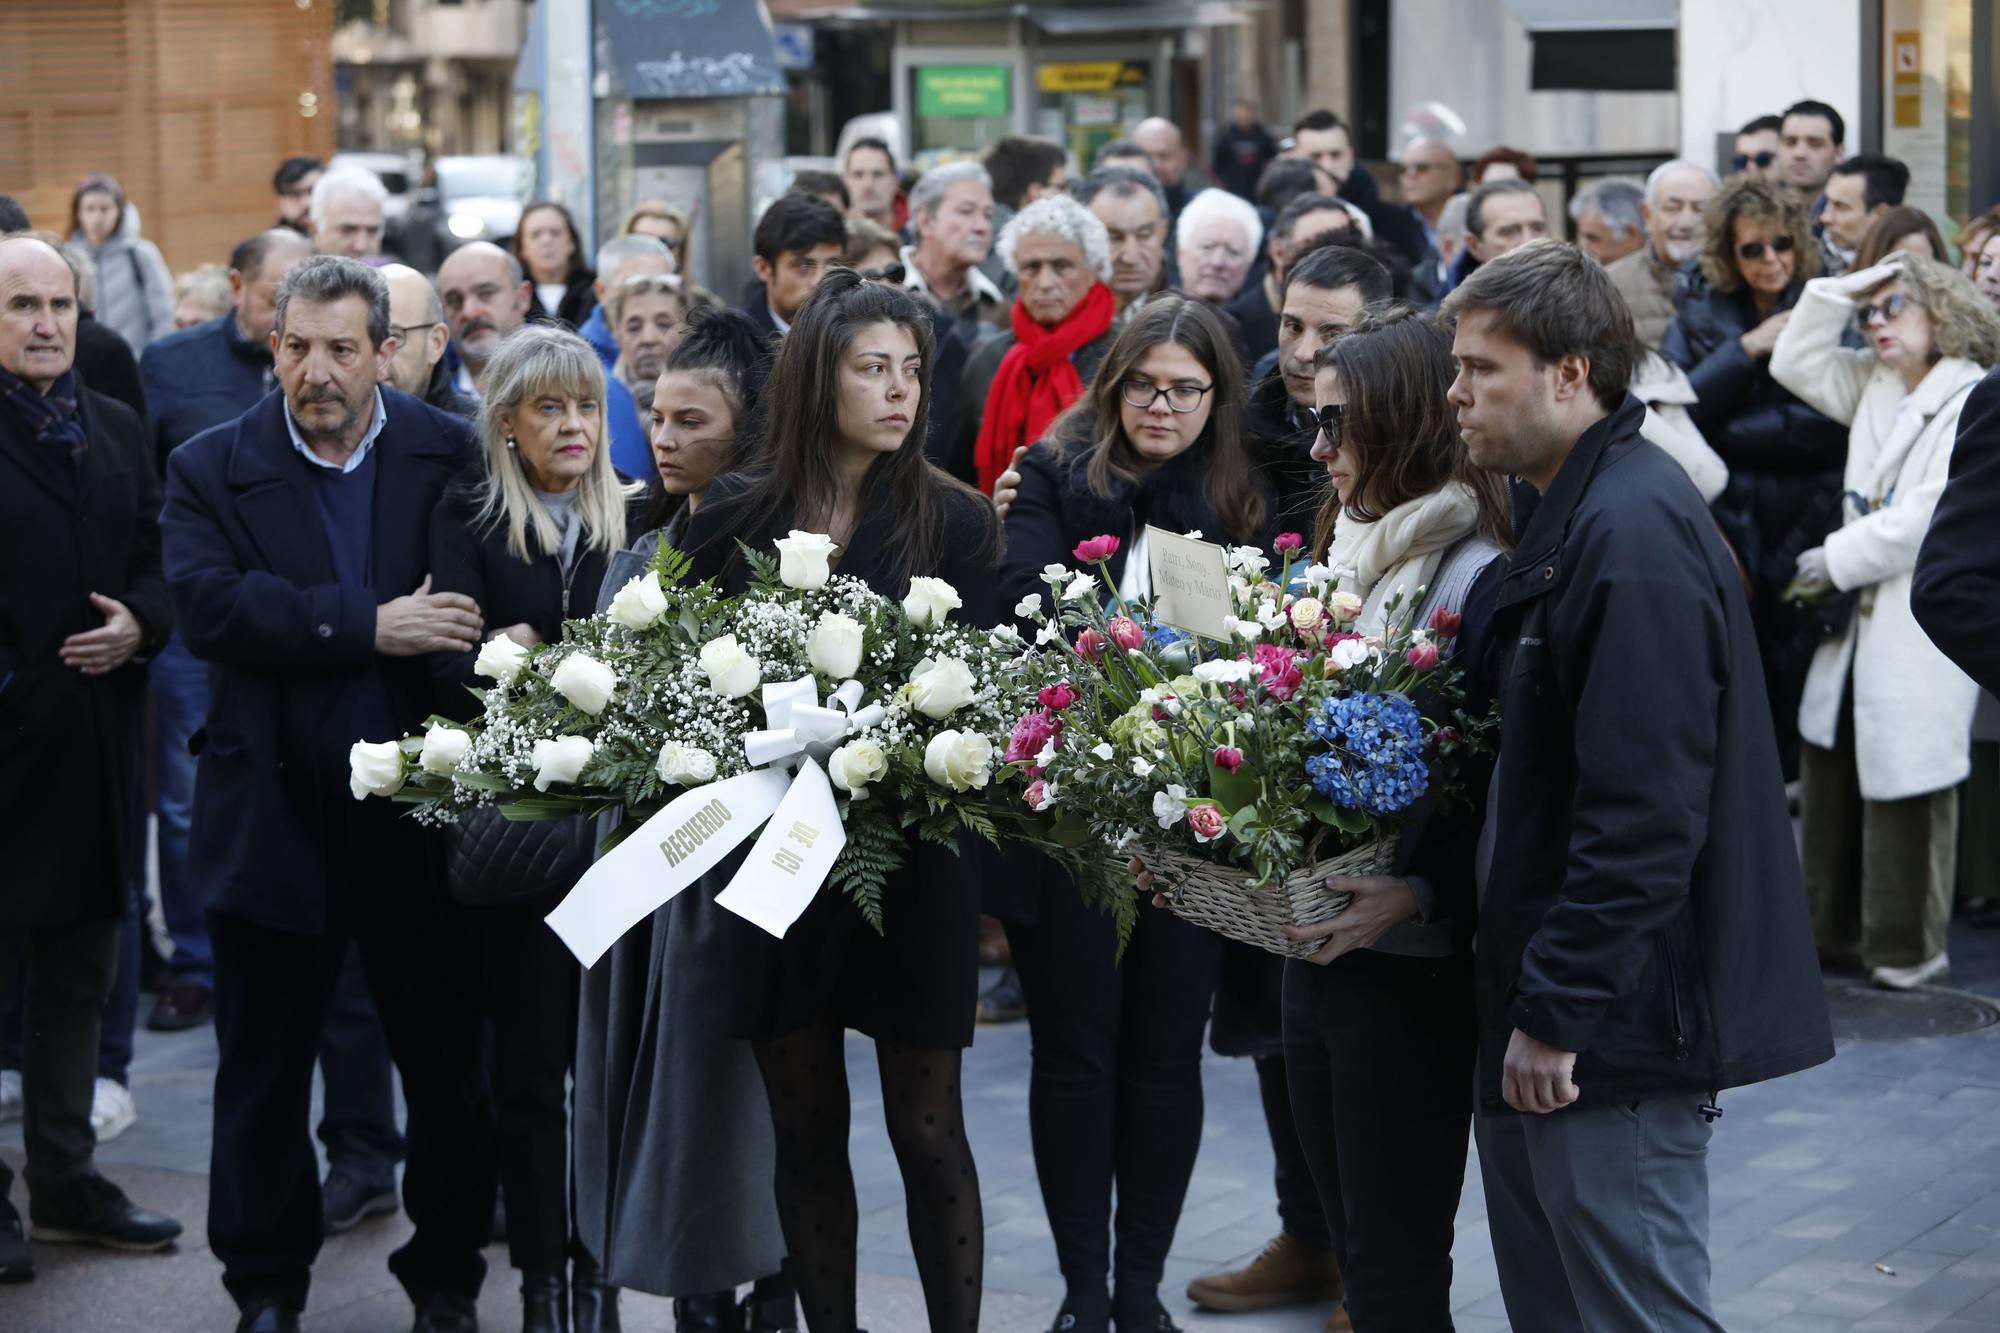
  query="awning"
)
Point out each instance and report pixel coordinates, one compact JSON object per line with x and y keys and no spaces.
{"x":1075,"y":20}
{"x":1593,"y":15}
{"x":685,"y":48}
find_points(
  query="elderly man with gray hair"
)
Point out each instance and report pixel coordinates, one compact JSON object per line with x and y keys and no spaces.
{"x":297,"y":556}
{"x":1675,"y":195}
{"x":1016,"y":384}
{"x":345,"y":217}
{"x":951,"y":215}
{"x":1609,"y":224}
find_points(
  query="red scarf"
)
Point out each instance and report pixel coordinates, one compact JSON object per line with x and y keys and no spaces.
{"x":1036,"y":381}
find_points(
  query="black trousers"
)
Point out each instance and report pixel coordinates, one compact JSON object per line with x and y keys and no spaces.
{"x":1380,"y":1051}
{"x":358,"y":1118}
{"x":272,"y":992}
{"x":1300,"y":1214}
{"x":64,"y":975}
{"x":528,"y":985}
{"x":1114,"y":1096}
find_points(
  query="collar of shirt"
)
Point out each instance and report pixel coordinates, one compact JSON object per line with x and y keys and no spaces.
{"x":461,"y":380}
{"x":782,"y":324}
{"x":977,"y":284}
{"x":354,"y":459}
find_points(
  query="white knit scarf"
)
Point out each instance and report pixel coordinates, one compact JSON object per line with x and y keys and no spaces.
{"x":1402,"y":549}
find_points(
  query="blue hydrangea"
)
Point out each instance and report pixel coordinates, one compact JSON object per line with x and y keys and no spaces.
{"x":1376,"y":761}
{"x":1164,"y":636}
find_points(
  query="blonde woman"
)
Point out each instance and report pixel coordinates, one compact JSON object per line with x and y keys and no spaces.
{"x":1886,"y":718}
{"x":668,"y":222}
{"x":526,"y":535}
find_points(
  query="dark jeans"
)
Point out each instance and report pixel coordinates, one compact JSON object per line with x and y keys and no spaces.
{"x":64,"y":973}
{"x":273,"y":990}
{"x":1300,"y":1214}
{"x":1115,"y":1092}
{"x":528,"y":984}
{"x":1380,"y":1050}
{"x":358,"y":1115}
{"x":121,"y":1002}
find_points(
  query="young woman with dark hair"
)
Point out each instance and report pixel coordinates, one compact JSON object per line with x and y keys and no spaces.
{"x":1114,"y":1097}
{"x":551,"y":253}
{"x":843,"y":455}
{"x":1379,"y":1022}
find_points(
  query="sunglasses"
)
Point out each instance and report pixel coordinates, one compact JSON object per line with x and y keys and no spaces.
{"x":1752,"y":251}
{"x":891,"y":273}
{"x":1744,"y":161}
{"x":1888,"y":308}
{"x":1327,"y":420}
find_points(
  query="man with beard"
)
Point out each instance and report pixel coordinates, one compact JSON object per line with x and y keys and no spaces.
{"x":1675,"y":196}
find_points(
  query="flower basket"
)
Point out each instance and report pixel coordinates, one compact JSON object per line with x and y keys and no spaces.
{"x":1227,"y":900}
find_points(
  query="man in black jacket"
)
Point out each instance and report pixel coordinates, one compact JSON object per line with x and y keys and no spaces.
{"x":82,"y":605}
{"x":296,"y":551}
{"x":1643,"y":936}
{"x":1956,"y":592}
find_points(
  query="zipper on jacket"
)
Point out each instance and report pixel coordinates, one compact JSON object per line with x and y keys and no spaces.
{"x":1674,"y":997}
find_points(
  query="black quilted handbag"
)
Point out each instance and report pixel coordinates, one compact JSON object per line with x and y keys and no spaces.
{"x":491,"y":859}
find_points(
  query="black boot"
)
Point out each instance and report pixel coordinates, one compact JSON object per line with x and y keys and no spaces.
{"x":593,"y":1305}
{"x":771,"y":1307}
{"x":716,"y":1312}
{"x":544,"y":1303}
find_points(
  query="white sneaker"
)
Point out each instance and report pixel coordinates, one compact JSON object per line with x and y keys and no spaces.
{"x":112,"y":1110}
{"x":1909,"y":978}
{"x":10,"y":1095}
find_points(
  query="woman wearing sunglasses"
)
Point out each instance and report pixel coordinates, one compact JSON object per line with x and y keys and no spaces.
{"x":1114,"y":1093}
{"x":1784,"y":458}
{"x":1886,"y":717}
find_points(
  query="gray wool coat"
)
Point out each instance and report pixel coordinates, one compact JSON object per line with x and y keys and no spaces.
{"x":135,"y":291}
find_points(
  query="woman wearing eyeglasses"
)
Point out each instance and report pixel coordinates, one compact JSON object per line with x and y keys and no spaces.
{"x":1886,"y":717}
{"x":1114,"y":1096}
{"x":1784,"y":457}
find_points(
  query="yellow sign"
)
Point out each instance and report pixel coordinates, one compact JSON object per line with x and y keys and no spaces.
{"x":1907,"y":80}
{"x":1079,"y":76}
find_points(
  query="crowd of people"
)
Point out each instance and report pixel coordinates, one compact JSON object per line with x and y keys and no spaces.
{"x":1704,"y":490}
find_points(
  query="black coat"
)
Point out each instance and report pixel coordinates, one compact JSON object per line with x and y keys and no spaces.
{"x":1956,"y":591}
{"x":510,"y":591}
{"x":104,"y":362}
{"x":201,"y":377}
{"x":578,"y":300}
{"x":960,"y":454}
{"x":1644,"y":906}
{"x":1256,"y":320}
{"x":293,"y":672}
{"x":1281,"y":444}
{"x":69,"y":743}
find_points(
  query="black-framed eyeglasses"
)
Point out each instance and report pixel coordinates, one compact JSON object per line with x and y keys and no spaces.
{"x":1327,"y":421}
{"x":1142,"y":394}
{"x":1744,"y":161}
{"x":889,"y":273}
{"x":1752,"y":251}
{"x":1887,"y":309}
{"x":401,"y":332}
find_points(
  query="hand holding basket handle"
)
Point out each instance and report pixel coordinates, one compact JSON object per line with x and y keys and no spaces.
{"x":1375,"y":903}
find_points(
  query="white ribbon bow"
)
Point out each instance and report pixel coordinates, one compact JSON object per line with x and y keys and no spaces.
{"x":796,"y":724}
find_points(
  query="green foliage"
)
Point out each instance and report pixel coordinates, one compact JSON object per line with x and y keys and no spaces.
{"x":873,"y":852}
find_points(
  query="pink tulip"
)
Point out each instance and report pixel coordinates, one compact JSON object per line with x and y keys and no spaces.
{"x":1422,"y":656}
{"x":1228,"y":757}
{"x":1125,"y":632}
{"x":1090,"y":645}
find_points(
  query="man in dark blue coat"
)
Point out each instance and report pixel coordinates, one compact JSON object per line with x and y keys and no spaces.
{"x":1643,"y":935}
{"x":1956,"y":591}
{"x":295,"y":551}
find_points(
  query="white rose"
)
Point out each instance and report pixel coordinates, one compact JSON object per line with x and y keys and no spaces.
{"x":640,"y":603}
{"x":561,"y":759}
{"x":443,"y":748}
{"x":930,"y":601}
{"x":856,"y":764}
{"x":802,"y":560}
{"x":940,"y":688}
{"x":585,"y":682}
{"x":834,"y":645}
{"x":1344,"y":606}
{"x":685,"y":765}
{"x":959,"y":760}
{"x":501,"y":659}
{"x":732,"y":673}
{"x":374,"y":768}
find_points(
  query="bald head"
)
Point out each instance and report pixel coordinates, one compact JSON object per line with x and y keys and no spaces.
{"x":1162,"y":140}
{"x":256,"y":269}
{"x":486,"y":297}
{"x":416,"y":317}
{"x":38,"y":298}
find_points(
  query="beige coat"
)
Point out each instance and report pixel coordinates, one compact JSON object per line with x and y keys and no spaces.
{"x":1912,"y":706}
{"x":1648,"y":290}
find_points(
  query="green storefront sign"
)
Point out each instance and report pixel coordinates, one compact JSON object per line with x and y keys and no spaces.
{"x":964,"y":91}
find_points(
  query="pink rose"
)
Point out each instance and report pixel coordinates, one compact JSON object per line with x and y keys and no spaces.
{"x":1343,"y":637}
{"x":1037,"y":796}
{"x":1093,"y":549}
{"x":1444,"y":623}
{"x":1057,"y":697}
{"x":1205,"y":822}
{"x":1090,"y":645}
{"x":1228,"y":757}
{"x":1031,"y":733}
{"x":1125,"y":632}
{"x":1289,"y":542}
{"x":1422,"y":656}
{"x":1277,"y":670}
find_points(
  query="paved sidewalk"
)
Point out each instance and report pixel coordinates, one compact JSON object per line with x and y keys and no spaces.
{"x":1888,"y":1156}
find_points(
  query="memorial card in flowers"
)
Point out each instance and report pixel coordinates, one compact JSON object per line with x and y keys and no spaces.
{"x":1295,"y":739}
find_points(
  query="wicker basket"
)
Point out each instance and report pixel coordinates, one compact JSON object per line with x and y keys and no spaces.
{"x":1226,"y":900}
